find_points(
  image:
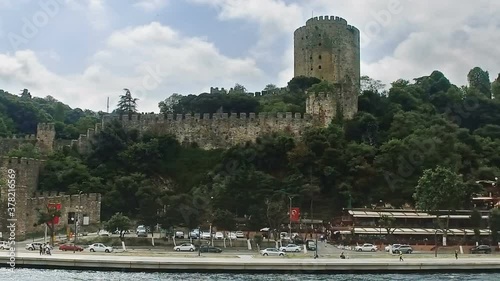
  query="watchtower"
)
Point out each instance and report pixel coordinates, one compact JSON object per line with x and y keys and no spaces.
{"x":329,"y":49}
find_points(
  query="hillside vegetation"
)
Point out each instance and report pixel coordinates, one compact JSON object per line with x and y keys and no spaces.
{"x":378,"y":157}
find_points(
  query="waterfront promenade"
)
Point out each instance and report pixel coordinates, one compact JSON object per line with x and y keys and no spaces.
{"x":212,"y":263}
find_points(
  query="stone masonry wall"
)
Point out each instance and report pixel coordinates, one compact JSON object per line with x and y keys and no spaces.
{"x":13,"y":143}
{"x":26,"y":181}
{"x":329,"y":49}
{"x":91,"y":207}
{"x":218,"y":130}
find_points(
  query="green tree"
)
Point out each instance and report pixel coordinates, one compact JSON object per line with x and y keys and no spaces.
{"x":127,"y":104}
{"x":475,"y":219}
{"x":480,"y":81}
{"x":440,"y":189}
{"x":46,"y":217}
{"x":388,"y":223}
{"x":118,"y":222}
{"x":168,"y":105}
{"x":495,"y":88}
{"x":494,"y":223}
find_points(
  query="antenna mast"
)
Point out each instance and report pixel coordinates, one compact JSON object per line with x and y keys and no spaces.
{"x":107,"y":106}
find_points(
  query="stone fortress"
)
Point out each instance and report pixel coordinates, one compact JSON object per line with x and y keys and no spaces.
{"x":326,"y":47}
{"x":27,"y":196}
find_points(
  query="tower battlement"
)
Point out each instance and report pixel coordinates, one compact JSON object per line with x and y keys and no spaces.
{"x":327,"y":19}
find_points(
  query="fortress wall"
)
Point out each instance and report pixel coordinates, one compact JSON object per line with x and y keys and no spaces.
{"x":91,"y":207}
{"x":218,"y":130}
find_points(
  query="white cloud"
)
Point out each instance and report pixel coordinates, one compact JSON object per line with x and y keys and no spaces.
{"x":152,"y":60}
{"x":151,"y":5}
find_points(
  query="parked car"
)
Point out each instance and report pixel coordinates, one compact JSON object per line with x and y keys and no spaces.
{"x":219,"y":235}
{"x":70,"y":247}
{"x":291,"y":248}
{"x":311,"y":245}
{"x":142,"y":233}
{"x":405,"y":249}
{"x":240,"y":234}
{"x":140,"y":228}
{"x":232,"y":235}
{"x":99,"y":247}
{"x":206,"y":235}
{"x":272,"y":252}
{"x":103,"y":232}
{"x":34,"y":246}
{"x":179,"y":235}
{"x":185,"y":247}
{"x":195,"y":233}
{"x":481,"y":249}
{"x":367,"y":247}
{"x":210,"y":249}
{"x":4,"y":245}
{"x":392,"y":247}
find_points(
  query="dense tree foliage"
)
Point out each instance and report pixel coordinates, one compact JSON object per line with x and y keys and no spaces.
{"x":19,"y":115}
{"x":379,"y":155}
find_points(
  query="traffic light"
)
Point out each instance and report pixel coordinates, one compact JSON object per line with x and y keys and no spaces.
{"x":71,"y":217}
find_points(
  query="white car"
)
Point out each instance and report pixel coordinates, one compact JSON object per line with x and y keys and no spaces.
{"x":99,"y":247}
{"x":272,"y":252}
{"x":4,"y":245}
{"x":206,"y":235}
{"x":232,"y":235}
{"x":366,"y":248}
{"x":185,"y":247}
{"x":392,"y":247}
{"x":291,"y":248}
{"x":103,"y":233}
{"x":240,"y":234}
{"x":219,"y":235}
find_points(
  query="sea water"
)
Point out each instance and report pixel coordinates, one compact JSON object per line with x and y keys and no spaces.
{"x":63,"y":275}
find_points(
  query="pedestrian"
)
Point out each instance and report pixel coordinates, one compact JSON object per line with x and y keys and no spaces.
{"x":41,"y":250}
{"x":401,"y":256}
{"x":456,"y":254}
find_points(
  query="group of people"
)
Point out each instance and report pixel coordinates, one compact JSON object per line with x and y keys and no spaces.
{"x":45,"y":249}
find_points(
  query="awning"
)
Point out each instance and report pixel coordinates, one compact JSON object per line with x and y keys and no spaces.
{"x":399,"y":215}
{"x":417,"y":231}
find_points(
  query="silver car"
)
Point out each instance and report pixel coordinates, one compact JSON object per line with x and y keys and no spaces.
{"x":272,"y":252}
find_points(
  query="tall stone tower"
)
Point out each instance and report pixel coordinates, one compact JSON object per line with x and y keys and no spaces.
{"x":45,"y":135}
{"x":329,"y":49}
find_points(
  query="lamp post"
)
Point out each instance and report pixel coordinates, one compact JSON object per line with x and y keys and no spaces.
{"x":290,"y":218}
{"x":77,"y":220}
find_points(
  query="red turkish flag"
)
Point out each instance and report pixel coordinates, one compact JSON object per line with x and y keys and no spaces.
{"x":295,"y":215}
{"x":56,"y":206}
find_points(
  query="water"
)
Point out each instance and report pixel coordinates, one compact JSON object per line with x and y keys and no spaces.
{"x":63,"y":275}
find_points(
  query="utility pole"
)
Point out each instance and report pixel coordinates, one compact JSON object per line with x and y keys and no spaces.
{"x":78,"y":210}
{"x":107,"y":106}
{"x":290,"y":218}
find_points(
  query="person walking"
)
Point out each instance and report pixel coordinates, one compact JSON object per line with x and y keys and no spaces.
{"x":401,"y":256}
{"x":456,"y":254}
{"x":41,"y":249}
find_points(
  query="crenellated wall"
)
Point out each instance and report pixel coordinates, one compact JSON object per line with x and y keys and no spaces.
{"x":217,"y":130}
{"x":15,"y":142}
{"x":91,"y":207}
{"x":27,"y":199}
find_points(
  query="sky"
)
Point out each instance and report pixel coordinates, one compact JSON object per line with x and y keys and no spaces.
{"x":83,"y":51}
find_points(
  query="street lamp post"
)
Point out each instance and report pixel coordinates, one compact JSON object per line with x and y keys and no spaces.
{"x":290,"y":218}
{"x":77,"y":220}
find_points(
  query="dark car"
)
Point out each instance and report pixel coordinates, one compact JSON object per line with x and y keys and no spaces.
{"x":70,"y":247}
{"x":210,"y":249}
{"x":311,"y":245}
{"x":481,"y":249}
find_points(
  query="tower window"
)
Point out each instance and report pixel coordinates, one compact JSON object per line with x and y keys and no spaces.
{"x":319,"y":57}
{"x":310,"y":57}
{"x":319,"y":67}
{"x":306,"y":37}
{"x":319,"y":44}
{"x":311,"y":68}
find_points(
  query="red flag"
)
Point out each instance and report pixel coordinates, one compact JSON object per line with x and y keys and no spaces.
{"x":56,"y":206}
{"x":295,"y":215}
